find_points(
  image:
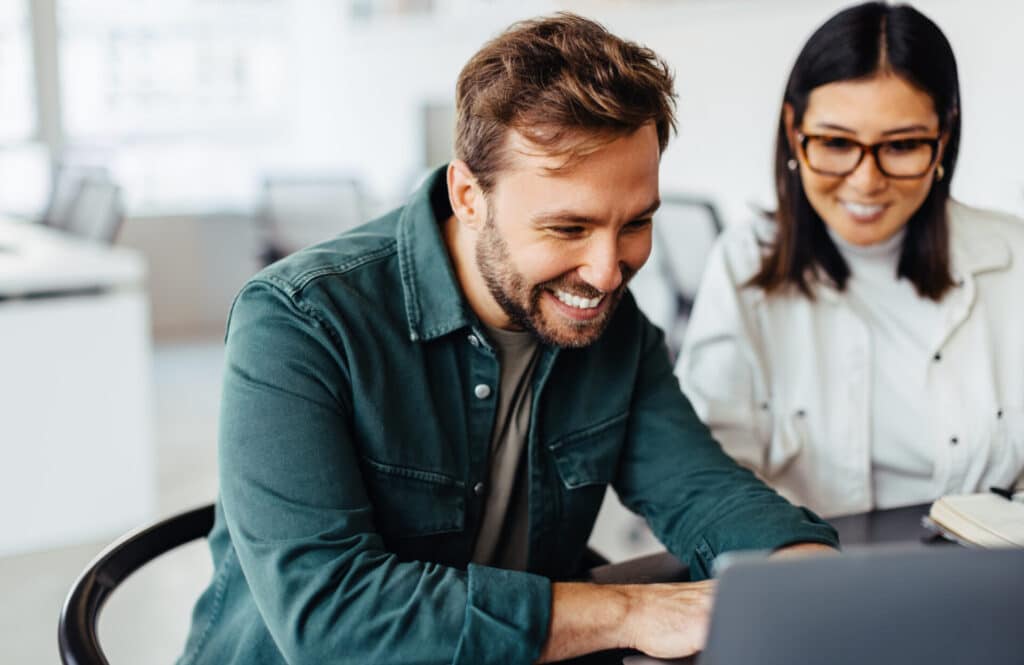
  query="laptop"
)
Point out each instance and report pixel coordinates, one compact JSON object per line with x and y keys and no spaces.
{"x":934,"y":606}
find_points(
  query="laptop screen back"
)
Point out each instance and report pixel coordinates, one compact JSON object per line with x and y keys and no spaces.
{"x":937,"y":606}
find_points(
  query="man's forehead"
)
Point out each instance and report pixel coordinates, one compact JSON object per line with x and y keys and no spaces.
{"x":553,"y":151}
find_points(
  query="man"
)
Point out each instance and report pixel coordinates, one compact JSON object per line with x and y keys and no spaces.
{"x":420,"y":417}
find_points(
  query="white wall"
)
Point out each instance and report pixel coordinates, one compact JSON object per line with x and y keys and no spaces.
{"x":356,"y":93}
{"x":365,"y":83}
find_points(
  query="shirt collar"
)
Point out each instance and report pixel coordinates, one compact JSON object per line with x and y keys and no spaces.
{"x":434,"y":303}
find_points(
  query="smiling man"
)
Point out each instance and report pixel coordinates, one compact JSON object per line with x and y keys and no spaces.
{"x":420,"y":417}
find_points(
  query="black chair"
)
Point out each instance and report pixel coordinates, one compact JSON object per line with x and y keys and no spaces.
{"x":76,"y":633}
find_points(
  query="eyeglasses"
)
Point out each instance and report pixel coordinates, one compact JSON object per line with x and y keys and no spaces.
{"x":896,"y":158}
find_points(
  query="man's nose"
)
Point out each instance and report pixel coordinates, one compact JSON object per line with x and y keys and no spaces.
{"x":602,"y":267}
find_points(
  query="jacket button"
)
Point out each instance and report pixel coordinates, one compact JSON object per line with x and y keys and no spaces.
{"x":937,"y":357}
{"x":482,"y":391}
{"x":478,"y":489}
{"x":473,"y":341}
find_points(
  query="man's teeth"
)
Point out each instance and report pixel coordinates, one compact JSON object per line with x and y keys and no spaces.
{"x":576,"y":301}
{"x":863,"y":210}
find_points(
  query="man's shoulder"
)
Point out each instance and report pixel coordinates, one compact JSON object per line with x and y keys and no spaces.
{"x":344,"y":259}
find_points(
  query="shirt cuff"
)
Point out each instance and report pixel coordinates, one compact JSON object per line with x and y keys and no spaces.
{"x":507,"y":617}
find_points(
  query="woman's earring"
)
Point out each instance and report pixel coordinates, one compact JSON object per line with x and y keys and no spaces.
{"x":939,"y":172}
{"x":791,"y":165}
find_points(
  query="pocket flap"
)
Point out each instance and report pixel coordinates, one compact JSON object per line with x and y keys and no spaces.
{"x":590,"y":456}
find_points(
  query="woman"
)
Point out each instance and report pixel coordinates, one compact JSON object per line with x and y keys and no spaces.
{"x":864,"y":348}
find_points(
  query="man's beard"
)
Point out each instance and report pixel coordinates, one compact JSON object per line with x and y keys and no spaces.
{"x":505,"y":284}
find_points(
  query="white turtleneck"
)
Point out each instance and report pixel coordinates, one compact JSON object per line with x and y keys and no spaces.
{"x":903,"y":328}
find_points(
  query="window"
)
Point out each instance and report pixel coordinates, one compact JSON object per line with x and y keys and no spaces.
{"x":177,"y":97}
{"x":23,"y":163}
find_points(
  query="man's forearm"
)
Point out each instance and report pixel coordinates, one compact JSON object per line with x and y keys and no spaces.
{"x":663,"y":620}
{"x":585,"y":618}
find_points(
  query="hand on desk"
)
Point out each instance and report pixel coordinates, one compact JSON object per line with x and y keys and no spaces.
{"x":662,"y":620}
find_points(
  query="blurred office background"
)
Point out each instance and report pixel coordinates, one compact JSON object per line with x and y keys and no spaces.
{"x":178,"y":145}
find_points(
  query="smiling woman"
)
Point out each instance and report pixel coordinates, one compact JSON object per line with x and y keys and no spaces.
{"x":861,"y":347}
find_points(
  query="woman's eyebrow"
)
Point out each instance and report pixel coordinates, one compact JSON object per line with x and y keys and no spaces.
{"x":908,"y":128}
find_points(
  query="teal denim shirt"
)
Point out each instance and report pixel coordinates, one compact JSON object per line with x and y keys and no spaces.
{"x":352,"y":442}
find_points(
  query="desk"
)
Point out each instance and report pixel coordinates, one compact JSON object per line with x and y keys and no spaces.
{"x":76,"y":446}
{"x":882,"y":527}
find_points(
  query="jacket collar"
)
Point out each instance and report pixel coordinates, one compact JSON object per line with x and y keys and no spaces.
{"x":434,"y":304}
{"x":972,"y":249}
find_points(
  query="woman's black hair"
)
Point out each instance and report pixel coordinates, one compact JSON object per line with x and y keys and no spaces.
{"x":858,"y":43}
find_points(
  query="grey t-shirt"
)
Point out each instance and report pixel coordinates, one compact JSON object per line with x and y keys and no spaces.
{"x":502,"y":541}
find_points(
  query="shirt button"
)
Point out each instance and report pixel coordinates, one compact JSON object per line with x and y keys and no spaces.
{"x":473,"y":341}
{"x":478,"y":489}
{"x":953,"y":441}
{"x":937,"y":357}
{"x":482,"y":391}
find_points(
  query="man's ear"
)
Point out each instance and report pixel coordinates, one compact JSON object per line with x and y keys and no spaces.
{"x":465,"y":195}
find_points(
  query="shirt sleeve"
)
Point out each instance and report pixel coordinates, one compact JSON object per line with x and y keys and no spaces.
{"x":698,"y":501}
{"x":721,"y":367}
{"x":304,"y":529}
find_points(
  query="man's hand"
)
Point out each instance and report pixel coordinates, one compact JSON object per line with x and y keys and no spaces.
{"x":662,"y":620}
{"x":670,"y":620}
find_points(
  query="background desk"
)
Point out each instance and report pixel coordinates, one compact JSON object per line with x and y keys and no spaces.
{"x":76,"y":442}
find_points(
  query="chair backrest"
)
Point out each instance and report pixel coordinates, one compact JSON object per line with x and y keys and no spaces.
{"x":297,"y":211}
{"x":65,"y":184}
{"x":685,"y":228}
{"x":96,"y":212}
{"x":77,"y":637}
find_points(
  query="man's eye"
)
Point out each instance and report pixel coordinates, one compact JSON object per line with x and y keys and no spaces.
{"x":567,"y":230}
{"x":639,"y":224}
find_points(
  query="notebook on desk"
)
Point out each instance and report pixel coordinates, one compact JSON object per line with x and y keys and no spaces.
{"x":989,"y":519}
{"x":939,"y":606}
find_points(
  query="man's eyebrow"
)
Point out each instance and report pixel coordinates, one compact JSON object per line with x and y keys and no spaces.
{"x":569,"y":217}
{"x":649,"y":210}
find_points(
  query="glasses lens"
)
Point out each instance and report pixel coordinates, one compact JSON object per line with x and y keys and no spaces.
{"x":906,"y":157}
{"x":832,"y":154}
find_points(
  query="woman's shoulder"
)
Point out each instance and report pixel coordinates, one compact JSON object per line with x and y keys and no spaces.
{"x":964,"y":217}
{"x":985,"y":235}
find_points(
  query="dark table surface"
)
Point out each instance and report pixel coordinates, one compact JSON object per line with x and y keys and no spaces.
{"x":877,"y":528}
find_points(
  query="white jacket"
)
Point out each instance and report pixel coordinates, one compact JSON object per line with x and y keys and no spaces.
{"x":783,"y":381}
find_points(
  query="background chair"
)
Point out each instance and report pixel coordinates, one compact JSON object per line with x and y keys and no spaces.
{"x":297,"y":211}
{"x":86,"y":202}
{"x":76,"y":632}
{"x":685,"y":229}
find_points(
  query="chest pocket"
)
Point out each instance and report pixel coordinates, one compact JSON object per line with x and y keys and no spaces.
{"x":590,"y":456}
{"x":413,"y":503}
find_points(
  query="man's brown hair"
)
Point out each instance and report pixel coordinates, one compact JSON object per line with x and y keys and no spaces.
{"x":566,"y":84}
